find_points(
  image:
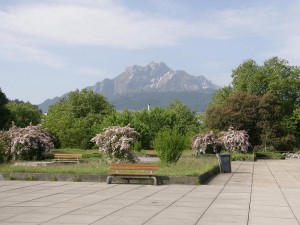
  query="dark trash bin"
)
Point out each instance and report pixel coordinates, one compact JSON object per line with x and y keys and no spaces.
{"x":224,"y":162}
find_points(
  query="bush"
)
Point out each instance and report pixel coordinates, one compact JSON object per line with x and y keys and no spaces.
{"x":116,"y":143}
{"x":269,"y":155}
{"x":242,"y":157}
{"x":29,"y":143}
{"x":170,"y":144}
{"x":206,"y":143}
{"x":235,"y":140}
{"x":4,"y":146}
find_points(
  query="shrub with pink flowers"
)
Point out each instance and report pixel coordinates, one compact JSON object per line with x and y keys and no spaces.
{"x":29,"y":143}
{"x":116,"y":143}
{"x":206,"y":143}
{"x":235,"y":140}
{"x":232,"y":140}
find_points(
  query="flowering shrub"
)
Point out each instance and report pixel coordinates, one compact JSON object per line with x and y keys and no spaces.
{"x":206,"y":142}
{"x":116,"y":143}
{"x":29,"y":143}
{"x":232,"y":140}
{"x":235,"y":140}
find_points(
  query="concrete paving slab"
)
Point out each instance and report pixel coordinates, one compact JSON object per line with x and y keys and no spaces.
{"x":125,"y":220}
{"x":271,"y":221}
{"x":271,"y":211}
{"x":262,"y":192}
{"x":169,"y":221}
{"x":29,"y":218}
{"x":238,"y":219}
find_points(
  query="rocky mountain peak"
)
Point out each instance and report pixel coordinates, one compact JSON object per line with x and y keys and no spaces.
{"x":151,"y":80}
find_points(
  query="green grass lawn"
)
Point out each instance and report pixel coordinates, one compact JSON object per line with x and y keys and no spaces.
{"x":188,"y":165}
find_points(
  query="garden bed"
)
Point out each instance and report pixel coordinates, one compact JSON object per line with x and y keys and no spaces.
{"x":188,"y":170}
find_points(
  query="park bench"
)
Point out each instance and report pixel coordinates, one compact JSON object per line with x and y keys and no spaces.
{"x":133,"y":171}
{"x":67,"y":158}
{"x":151,"y":153}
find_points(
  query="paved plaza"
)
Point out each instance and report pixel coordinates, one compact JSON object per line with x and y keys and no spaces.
{"x":266,"y":192}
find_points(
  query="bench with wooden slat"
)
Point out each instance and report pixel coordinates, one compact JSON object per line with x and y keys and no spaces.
{"x":151,"y":153}
{"x":67,"y":158}
{"x":133,"y":170}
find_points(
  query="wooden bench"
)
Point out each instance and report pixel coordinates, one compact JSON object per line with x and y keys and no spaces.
{"x":136,"y":170}
{"x":67,"y":158}
{"x":151,"y":153}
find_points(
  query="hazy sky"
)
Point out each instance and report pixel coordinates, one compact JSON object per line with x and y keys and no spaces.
{"x":50,"y":47}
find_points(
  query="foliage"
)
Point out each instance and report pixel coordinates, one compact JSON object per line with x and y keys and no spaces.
{"x":4,"y":146}
{"x":235,"y":140}
{"x":24,"y":114}
{"x":189,"y":166}
{"x":269,"y":155}
{"x":116,"y":143}
{"x":206,"y":143}
{"x":74,"y":120}
{"x":269,"y":115}
{"x":240,"y":111}
{"x":221,"y":95}
{"x":232,"y":140}
{"x":4,"y":112}
{"x":169,"y":144}
{"x":262,"y":117}
{"x":181,"y":117}
{"x":29,"y":143}
{"x":275,"y":82}
{"x":242,"y":157}
{"x":149,"y":122}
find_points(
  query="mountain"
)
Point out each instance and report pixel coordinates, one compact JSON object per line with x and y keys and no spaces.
{"x":155,"y":84}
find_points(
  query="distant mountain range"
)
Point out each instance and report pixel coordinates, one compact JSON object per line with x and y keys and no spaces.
{"x":155,"y":84}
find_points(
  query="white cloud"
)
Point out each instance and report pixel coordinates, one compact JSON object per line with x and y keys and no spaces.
{"x":104,"y":24}
{"x":108,"y":23}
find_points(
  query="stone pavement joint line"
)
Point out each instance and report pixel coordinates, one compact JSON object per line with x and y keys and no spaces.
{"x":283,"y":193}
{"x":256,"y":193}
{"x":250,"y":194}
{"x":219,"y":192}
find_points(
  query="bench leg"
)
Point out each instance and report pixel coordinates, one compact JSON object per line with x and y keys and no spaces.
{"x":108,"y":180}
{"x":154,"y":181}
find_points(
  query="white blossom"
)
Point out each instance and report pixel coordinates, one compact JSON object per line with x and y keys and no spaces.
{"x":116,"y":143}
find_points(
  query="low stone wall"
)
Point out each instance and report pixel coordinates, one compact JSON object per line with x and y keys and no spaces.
{"x":102,"y":178}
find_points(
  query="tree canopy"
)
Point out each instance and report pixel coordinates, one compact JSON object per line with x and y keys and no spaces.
{"x":72,"y":120}
{"x":4,"y":112}
{"x":23,"y":114}
{"x":262,"y":99}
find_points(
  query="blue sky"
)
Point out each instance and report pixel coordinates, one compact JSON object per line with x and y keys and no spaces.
{"x":50,"y":47}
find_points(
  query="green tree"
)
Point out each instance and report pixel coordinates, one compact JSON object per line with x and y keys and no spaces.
{"x":248,"y":78}
{"x":149,"y":122}
{"x":221,"y":95}
{"x":274,"y":77}
{"x":238,"y":111}
{"x":182,"y":118}
{"x":73,"y":120}
{"x":23,"y":114}
{"x":269,"y":116}
{"x":4,"y":112}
